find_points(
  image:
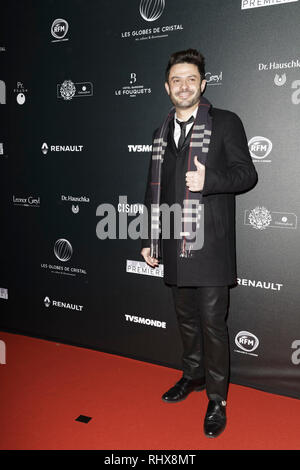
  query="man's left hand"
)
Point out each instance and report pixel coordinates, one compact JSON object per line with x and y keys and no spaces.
{"x":195,"y":179}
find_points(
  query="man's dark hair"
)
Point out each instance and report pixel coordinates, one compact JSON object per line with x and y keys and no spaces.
{"x":191,"y":56}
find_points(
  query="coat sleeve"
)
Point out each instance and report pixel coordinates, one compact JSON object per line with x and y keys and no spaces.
{"x":240,"y":174}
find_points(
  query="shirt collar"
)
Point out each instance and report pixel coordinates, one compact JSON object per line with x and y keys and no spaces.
{"x":193,"y":114}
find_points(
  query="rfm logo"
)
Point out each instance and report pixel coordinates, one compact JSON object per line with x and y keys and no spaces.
{"x":2,"y":352}
{"x":296,"y":354}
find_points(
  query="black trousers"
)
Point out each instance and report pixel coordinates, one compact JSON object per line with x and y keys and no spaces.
{"x":201,"y":315}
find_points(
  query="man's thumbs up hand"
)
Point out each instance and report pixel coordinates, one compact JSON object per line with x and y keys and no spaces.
{"x":195,"y":179}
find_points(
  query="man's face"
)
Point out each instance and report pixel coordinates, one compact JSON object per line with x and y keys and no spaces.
{"x":185,"y":85}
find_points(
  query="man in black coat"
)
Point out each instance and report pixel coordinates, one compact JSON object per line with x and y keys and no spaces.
{"x":200,"y":284}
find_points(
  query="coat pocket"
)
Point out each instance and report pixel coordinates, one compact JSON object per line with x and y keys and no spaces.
{"x":218,"y":209}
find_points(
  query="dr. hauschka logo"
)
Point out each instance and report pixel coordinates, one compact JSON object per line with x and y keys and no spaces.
{"x":75,"y":200}
{"x":295,"y":358}
{"x":261,"y":218}
{"x":2,"y":352}
{"x":280,"y":80}
{"x":246,"y":342}
{"x":214,"y":79}
{"x":260,"y":148}
{"x":21,"y":93}
{"x":63,"y":250}
{"x":60,"y":148}
{"x":246,"y":4}
{"x":69,"y":90}
{"x":2,"y":92}
{"x":62,"y":304}
{"x":59,"y":30}
{"x":151,"y":10}
{"x":132,"y":90}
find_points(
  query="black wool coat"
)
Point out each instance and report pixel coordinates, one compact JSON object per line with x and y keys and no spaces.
{"x":228,"y":170}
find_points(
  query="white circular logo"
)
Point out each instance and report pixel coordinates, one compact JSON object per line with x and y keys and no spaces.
{"x":63,"y":249}
{"x":246,"y":341}
{"x":59,"y":28}
{"x":21,"y":98}
{"x":260,"y":218}
{"x":260,"y":147}
{"x":67,"y":90}
{"x":151,"y":10}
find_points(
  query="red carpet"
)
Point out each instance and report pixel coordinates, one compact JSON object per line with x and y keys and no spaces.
{"x":45,"y":386}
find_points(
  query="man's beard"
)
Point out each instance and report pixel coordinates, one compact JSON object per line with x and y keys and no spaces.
{"x":186,"y":103}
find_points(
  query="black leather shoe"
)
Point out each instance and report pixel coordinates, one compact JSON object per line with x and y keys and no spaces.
{"x":182,"y":389}
{"x":215,"y":418}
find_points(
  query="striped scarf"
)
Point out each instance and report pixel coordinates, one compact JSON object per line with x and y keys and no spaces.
{"x":191,"y":205}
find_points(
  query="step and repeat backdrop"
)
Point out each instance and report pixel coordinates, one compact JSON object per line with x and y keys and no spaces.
{"x":81,"y":92}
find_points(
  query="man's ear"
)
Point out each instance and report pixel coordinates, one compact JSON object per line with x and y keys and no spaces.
{"x":203,"y":85}
{"x":167,"y":88}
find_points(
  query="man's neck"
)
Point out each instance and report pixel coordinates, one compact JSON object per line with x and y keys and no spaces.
{"x":185,"y":114}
